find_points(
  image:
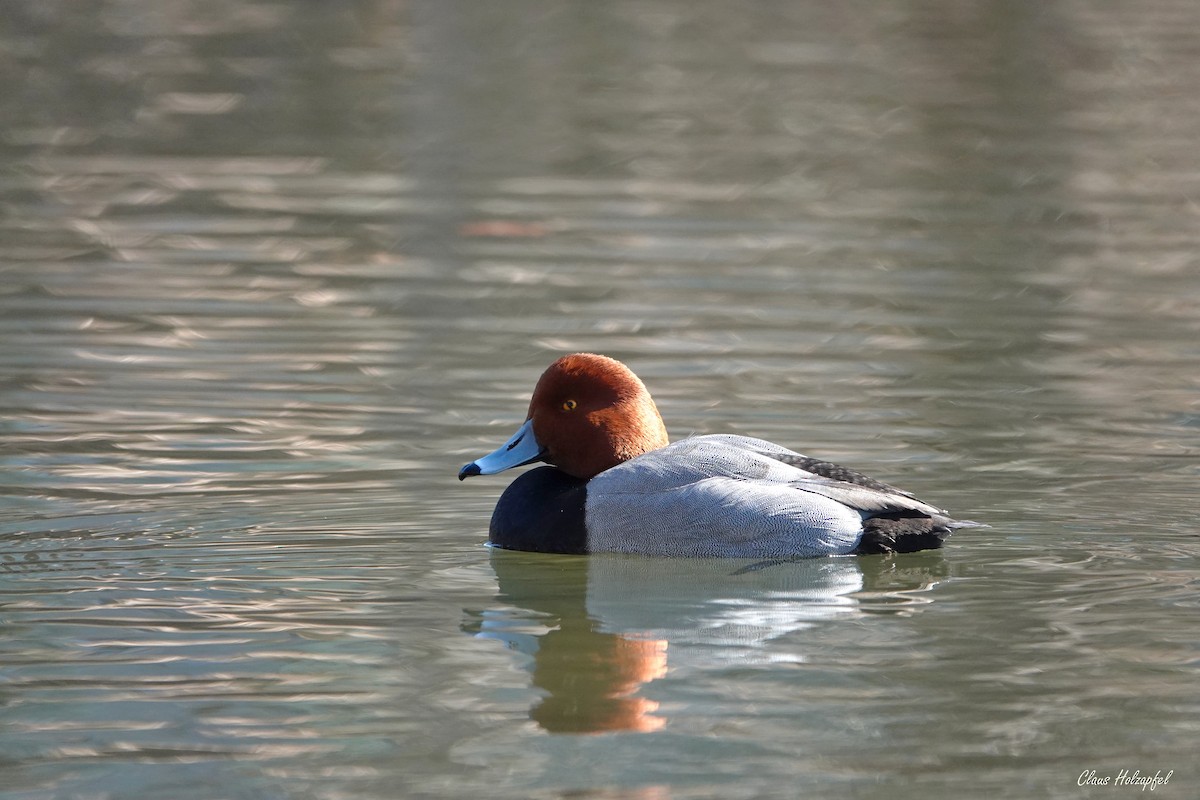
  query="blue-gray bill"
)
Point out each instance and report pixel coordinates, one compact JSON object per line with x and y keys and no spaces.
{"x":521,"y":448}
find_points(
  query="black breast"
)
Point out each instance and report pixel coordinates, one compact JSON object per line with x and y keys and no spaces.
{"x":541,"y":511}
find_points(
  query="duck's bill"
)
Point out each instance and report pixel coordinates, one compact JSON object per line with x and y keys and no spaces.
{"x":522,"y":448}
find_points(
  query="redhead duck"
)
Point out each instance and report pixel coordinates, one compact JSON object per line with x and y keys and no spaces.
{"x":615,"y":484}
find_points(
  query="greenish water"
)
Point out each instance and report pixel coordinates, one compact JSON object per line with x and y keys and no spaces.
{"x":270,"y":273}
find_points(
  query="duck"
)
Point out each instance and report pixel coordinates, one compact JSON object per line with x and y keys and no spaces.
{"x":612,"y":482}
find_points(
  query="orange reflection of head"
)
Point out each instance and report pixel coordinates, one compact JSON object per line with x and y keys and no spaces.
{"x":600,"y":694}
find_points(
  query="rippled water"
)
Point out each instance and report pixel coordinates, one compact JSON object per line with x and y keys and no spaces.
{"x":270,"y":273}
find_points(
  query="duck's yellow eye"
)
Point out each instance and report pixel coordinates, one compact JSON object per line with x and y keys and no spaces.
{"x":569,"y":405}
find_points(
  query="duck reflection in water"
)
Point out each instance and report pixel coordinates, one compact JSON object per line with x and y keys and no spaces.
{"x":592,"y":680}
{"x":599,"y":630}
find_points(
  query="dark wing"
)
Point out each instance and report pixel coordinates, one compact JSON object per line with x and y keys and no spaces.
{"x":836,"y":472}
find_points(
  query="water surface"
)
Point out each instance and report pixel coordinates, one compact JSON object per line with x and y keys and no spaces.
{"x":270,"y":273}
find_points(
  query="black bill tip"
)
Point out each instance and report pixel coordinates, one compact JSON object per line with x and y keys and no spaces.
{"x":469,"y":471}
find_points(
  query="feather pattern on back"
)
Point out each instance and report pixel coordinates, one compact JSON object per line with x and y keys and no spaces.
{"x":727,"y":495}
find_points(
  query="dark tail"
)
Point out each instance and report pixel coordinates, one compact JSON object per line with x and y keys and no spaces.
{"x":907,"y":532}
